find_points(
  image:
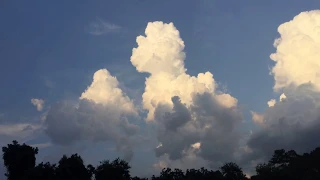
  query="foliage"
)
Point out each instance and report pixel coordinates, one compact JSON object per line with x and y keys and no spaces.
{"x":20,"y":161}
{"x":73,"y":168}
{"x":231,"y":171}
{"x":290,"y":165}
{"x":42,"y":171}
{"x":115,"y":170}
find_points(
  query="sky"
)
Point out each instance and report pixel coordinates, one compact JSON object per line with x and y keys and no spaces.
{"x":161,"y":83}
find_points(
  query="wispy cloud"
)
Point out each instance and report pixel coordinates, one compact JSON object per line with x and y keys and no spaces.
{"x":18,"y":129}
{"x":21,"y":132}
{"x":101,"y":26}
{"x":42,"y":145}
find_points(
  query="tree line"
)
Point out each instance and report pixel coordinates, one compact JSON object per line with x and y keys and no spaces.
{"x":20,"y":163}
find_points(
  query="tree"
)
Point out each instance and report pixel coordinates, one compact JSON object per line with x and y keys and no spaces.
{"x":231,"y":171}
{"x":19,"y":160}
{"x":137,"y":178}
{"x":193,"y":174}
{"x":42,"y":171}
{"x":311,"y":164}
{"x":73,"y":168}
{"x":115,"y":170}
{"x":263,"y":170}
{"x":90,"y":170}
{"x":168,"y":174}
{"x":289,"y":165}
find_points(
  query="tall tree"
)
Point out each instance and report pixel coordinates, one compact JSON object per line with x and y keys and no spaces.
{"x":169,"y":174}
{"x":115,"y":170}
{"x":73,"y":168}
{"x":289,"y":165}
{"x":138,"y":178}
{"x":19,"y":160}
{"x":231,"y":171}
{"x":42,"y":171}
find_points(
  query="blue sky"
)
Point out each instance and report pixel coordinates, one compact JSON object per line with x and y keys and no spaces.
{"x":50,"y":51}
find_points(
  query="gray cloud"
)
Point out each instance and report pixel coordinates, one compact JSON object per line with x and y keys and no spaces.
{"x":102,"y":113}
{"x":68,"y":123}
{"x":290,"y":124}
{"x":206,"y":122}
{"x":21,"y":132}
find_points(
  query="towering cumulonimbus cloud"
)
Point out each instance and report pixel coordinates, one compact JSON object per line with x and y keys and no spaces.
{"x":103,"y":113}
{"x":188,"y":110}
{"x":160,"y":53}
{"x":294,"y":121}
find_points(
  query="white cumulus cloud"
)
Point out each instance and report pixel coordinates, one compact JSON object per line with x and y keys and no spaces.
{"x":104,"y":90}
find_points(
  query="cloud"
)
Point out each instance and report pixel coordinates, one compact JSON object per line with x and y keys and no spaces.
{"x":186,"y":109}
{"x":257,"y":118}
{"x":272,"y":102}
{"x":39,"y":103}
{"x":294,"y":121}
{"x":19,"y":131}
{"x":104,"y":90}
{"x":42,"y":145}
{"x":189,"y":161}
{"x":100,"y":27}
{"x":160,"y":165}
{"x":282,"y":97}
{"x":297,"y":56}
{"x":290,"y":124}
{"x":103,"y":113}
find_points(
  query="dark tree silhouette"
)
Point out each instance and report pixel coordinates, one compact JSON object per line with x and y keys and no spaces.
{"x":43,"y":171}
{"x":312,"y":164}
{"x":90,"y":170}
{"x":19,"y":160}
{"x":169,"y":174}
{"x":193,"y":174}
{"x":290,"y":165}
{"x":138,"y":178}
{"x":231,"y":171}
{"x":115,"y":170}
{"x":73,"y":168}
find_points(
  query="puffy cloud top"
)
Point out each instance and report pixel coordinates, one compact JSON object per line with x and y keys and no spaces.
{"x":298,"y":51}
{"x":160,"y":53}
{"x":104,"y":90}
